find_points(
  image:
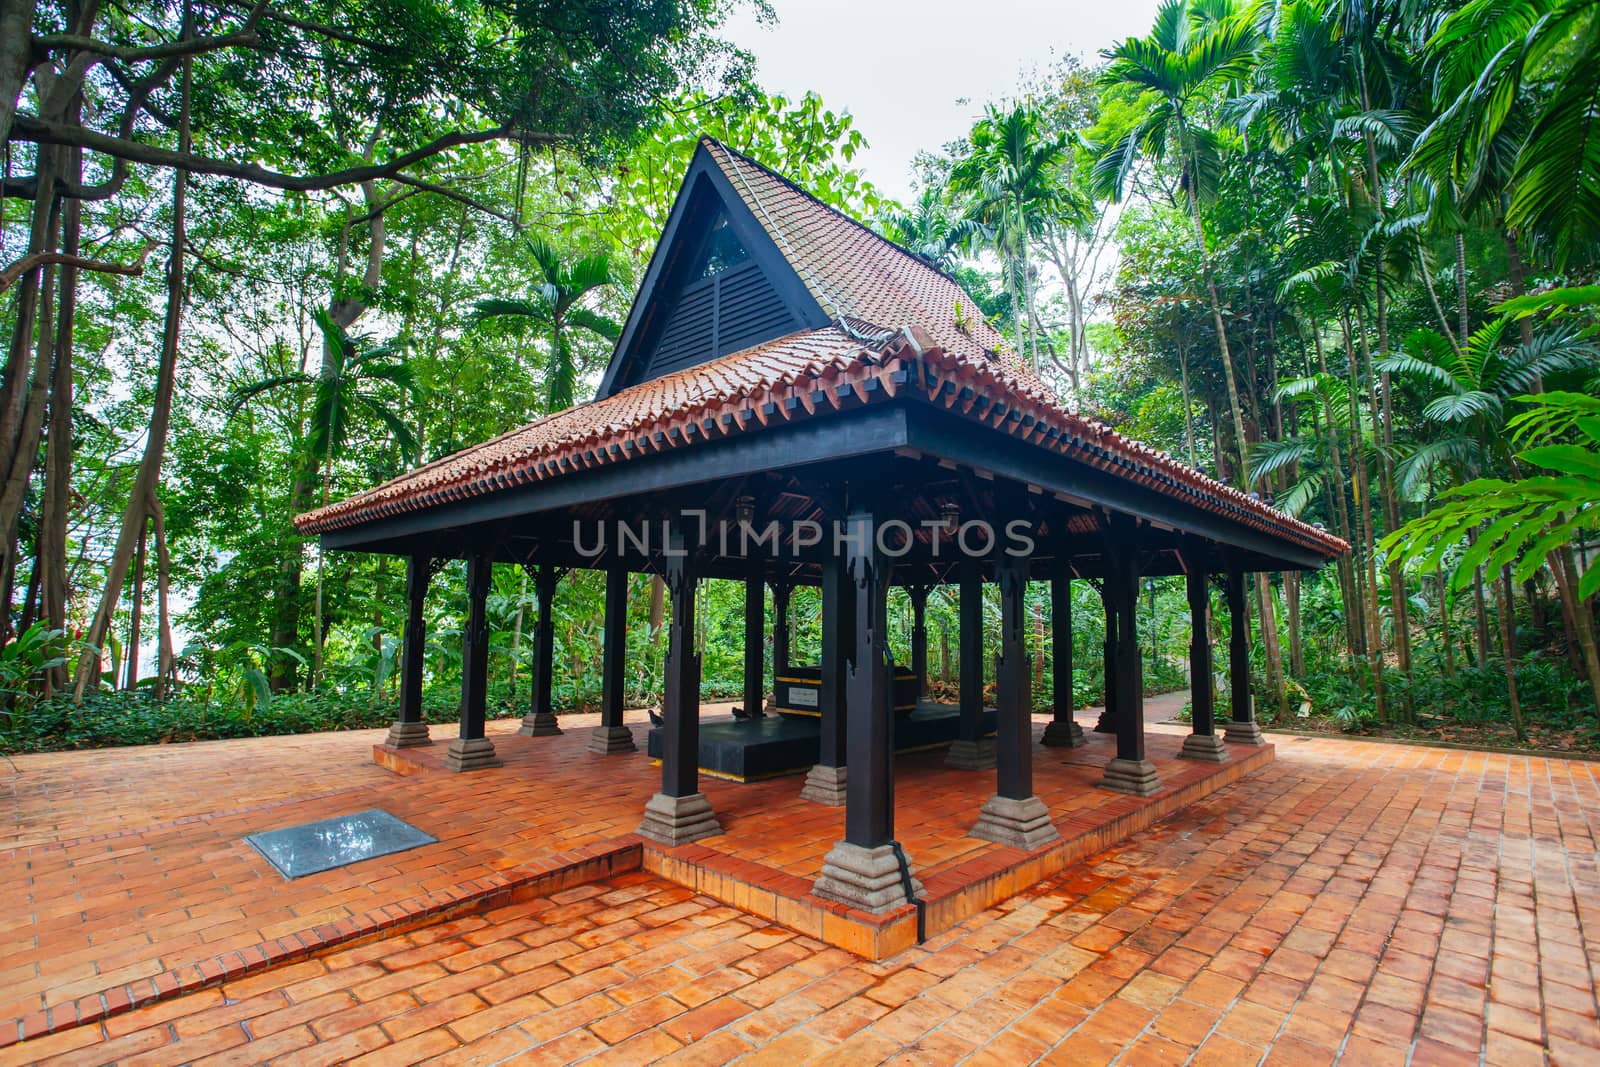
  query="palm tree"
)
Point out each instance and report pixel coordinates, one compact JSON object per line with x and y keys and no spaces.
{"x":925,"y":229}
{"x":556,"y":305}
{"x":1189,"y":54}
{"x":1488,"y":56}
{"x":357,"y":383}
{"x":1470,"y":386}
{"x":1012,"y":174}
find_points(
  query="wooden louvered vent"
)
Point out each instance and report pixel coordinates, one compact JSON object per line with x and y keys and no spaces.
{"x":733,"y":309}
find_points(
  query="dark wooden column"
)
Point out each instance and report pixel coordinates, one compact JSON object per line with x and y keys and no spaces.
{"x":825,"y":782}
{"x":409,"y":729}
{"x":868,"y":869}
{"x":1014,"y":816}
{"x":1107,"y":723}
{"x":780,"y":627}
{"x":972,"y":750}
{"x":1130,"y":771}
{"x":611,"y":735}
{"x":1242,"y":728}
{"x":919,"y":635}
{"x":755,"y":633}
{"x":1203,"y":743}
{"x":472,"y":749}
{"x":540,"y":721}
{"x":1063,"y":730}
{"x":680,"y":813}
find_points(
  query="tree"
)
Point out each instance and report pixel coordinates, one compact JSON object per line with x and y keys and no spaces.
{"x":360,"y":381}
{"x":1186,"y":58}
{"x":555,"y":305}
{"x":1010,"y":177}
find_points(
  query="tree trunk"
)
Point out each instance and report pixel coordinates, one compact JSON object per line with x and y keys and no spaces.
{"x":144,"y":488}
{"x":24,"y":450}
{"x":1565,"y":566}
{"x":1188,"y":404}
{"x":1354,"y":627}
{"x":1363,"y":511}
{"x":286,"y":594}
{"x":1480,"y":609}
{"x":1447,"y":625}
{"x":130,"y":676}
{"x":55,"y":507}
{"x":13,"y":387}
{"x":16,"y":38}
{"x":165,"y":670}
{"x":516,"y":629}
{"x":658,"y":605}
{"x":1297,"y":648}
{"x":1508,"y":649}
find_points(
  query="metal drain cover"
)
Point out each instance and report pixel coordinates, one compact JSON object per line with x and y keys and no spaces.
{"x":314,"y":847}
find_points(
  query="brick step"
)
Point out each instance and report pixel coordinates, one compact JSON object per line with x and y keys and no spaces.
{"x":537,"y":878}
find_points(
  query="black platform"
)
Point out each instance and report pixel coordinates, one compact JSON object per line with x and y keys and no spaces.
{"x":751,"y":749}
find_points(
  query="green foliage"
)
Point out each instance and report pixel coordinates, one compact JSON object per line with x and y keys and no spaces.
{"x":1518,"y":523}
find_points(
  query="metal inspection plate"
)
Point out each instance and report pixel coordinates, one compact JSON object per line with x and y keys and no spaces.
{"x":313,"y":847}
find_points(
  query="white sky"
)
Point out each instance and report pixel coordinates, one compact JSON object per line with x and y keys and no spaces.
{"x":915,"y":73}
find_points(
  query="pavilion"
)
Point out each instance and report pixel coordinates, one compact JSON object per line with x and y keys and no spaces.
{"x":796,"y":401}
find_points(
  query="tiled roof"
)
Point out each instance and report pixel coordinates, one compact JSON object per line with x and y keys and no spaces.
{"x":896,"y":328}
{"x":805,"y":375}
{"x":852,"y":271}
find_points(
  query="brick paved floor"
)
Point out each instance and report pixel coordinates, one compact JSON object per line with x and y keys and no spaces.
{"x":132,"y":863}
{"x":1378,"y":902}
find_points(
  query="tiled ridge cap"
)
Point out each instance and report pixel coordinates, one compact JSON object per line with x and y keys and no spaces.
{"x":916,"y":260}
{"x":1021,"y":408}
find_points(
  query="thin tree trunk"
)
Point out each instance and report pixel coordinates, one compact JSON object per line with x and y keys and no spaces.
{"x":1565,"y":566}
{"x":1297,"y":648}
{"x":1363,"y":510}
{"x":25,"y":453}
{"x":1354,"y":627}
{"x":55,"y":507}
{"x":165,"y":671}
{"x":658,"y":605}
{"x":1447,"y":625}
{"x":1508,"y":648}
{"x":130,"y":675}
{"x":14,"y":385}
{"x":135,"y":514}
{"x":1188,"y":403}
{"x":516,"y":629}
{"x":31,"y":611}
{"x":1480,"y":608}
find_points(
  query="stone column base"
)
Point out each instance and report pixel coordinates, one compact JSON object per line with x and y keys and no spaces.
{"x":679,"y":820}
{"x":408,"y":735}
{"x":865,"y":878}
{"x":539,"y":724}
{"x":1106,"y":723}
{"x":1023,"y":824}
{"x":1206,"y":748}
{"x":1132,"y":776}
{"x":971,"y":755}
{"x":607,"y":739}
{"x":1244,"y":733}
{"x":470,"y":754}
{"x":1064,"y":733}
{"x":825,"y":785}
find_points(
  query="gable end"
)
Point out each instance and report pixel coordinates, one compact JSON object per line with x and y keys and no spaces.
{"x":716,"y":284}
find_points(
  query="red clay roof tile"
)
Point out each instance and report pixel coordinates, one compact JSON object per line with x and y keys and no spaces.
{"x":892,"y":310}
